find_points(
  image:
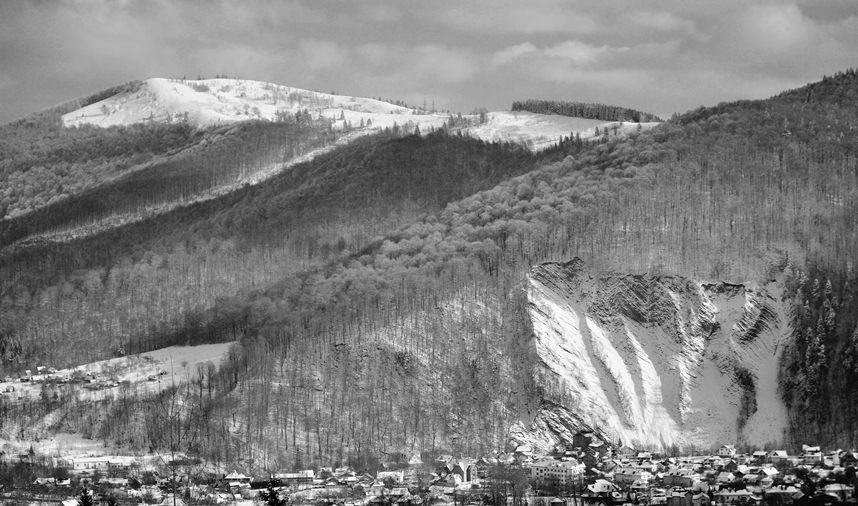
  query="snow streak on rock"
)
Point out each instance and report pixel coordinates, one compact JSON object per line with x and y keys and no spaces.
{"x":552,"y":425}
{"x":661,"y":360}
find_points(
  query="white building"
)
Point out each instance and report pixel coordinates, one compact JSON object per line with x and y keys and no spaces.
{"x":778,"y":456}
{"x":561,"y":472}
{"x":298,"y":479}
{"x":629,"y":475}
{"x":728,"y":451}
{"x":811,"y":455}
{"x":98,"y":463}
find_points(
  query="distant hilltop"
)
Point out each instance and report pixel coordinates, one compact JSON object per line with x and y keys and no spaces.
{"x":221,"y":101}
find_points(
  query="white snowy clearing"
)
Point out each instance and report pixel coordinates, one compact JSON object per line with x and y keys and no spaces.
{"x":176,"y":364}
{"x":219,"y":101}
{"x":662,"y":362}
{"x":144,"y":373}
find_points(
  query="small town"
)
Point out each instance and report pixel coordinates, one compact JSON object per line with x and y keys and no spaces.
{"x":586,"y":472}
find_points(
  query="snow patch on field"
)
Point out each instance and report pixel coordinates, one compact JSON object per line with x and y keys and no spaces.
{"x":544,"y":130}
{"x":179,"y":363}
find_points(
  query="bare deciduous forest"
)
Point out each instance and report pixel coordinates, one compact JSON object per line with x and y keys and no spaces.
{"x":375,"y":293}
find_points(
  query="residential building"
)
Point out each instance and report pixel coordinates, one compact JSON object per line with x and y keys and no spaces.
{"x":583,"y":438}
{"x":465,"y":470}
{"x":601,"y":487}
{"x":99,"y":463}
{"x":305,"y":477}
{"x":680,"y":498}
{"x":236,"y":477}
{"x":725,"y":477}
{"x":728,"y":451}
{"x":625,"y":452}
{"x":625,"y":476}
{"x":443,"y":460}
{"x":767,"y":476}
{"x":680,"y":478}
{"x":848,"y":459}
{"x":561,"y":472}
{"x":396,"y":476}
{"x":811,"y":455}
{"x":734,"y":497}
{"x":840,"y":491}
{"x":524,"y":449}
{"x":778,"y":456}
{"x":783,"y":494}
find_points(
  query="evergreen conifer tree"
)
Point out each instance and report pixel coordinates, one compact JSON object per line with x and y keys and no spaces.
{"x":85,"y":498}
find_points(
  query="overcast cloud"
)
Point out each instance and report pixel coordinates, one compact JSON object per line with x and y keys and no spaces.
{"x":659,"y":56}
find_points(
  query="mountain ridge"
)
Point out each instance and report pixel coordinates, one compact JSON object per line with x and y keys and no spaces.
{"x":216,"y":101}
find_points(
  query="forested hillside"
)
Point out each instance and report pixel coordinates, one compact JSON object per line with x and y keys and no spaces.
{"x":378,"y":291}
{"x":129,"y":281}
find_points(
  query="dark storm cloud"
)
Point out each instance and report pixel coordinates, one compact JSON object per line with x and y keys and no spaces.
{"x":662,"y":56}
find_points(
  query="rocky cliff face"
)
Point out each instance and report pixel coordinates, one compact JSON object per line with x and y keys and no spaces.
{"x":660,"y":360}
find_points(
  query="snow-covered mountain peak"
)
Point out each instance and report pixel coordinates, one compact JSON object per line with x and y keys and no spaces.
{"x":212,"y":101}
{"x":220,"y":101}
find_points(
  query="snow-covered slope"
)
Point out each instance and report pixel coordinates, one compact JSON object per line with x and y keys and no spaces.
{"x":543,"y":130}
{"x":661,"y":361}
{"x":218,"y":101}
{"x":213,"y":101}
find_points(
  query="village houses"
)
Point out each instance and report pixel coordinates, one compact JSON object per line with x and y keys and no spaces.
{"x":723,"y":477}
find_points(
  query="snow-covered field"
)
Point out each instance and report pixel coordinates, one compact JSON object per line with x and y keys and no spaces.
{"x":179,"y":364}
{"x":656,"y":362}
{"x":540,"y":131}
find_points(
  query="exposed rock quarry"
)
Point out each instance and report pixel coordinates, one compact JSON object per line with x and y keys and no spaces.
{"x":658,"y":361}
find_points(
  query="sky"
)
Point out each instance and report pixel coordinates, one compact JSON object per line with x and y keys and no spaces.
{"x":660,"y":56}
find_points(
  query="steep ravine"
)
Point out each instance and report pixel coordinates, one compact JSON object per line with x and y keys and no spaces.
{"x":660,"y":361}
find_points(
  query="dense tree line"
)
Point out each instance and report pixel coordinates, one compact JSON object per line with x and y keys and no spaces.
{"x":820,"y":366}
{"x":583,"y":110}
